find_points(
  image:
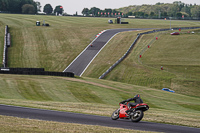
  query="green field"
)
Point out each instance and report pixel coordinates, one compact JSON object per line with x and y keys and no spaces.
{"x":54,"y":47}
{"x":179,"y":55}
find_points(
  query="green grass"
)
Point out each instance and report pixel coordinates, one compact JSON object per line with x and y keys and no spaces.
{"x":94,"y":96}
{"x":54,"y":47}
{"x":179,"y":55}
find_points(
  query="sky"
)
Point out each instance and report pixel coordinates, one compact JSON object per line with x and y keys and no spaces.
{"x":73,"y":6}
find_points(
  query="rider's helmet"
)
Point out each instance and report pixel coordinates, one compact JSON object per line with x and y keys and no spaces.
{"x":138,"y":99}
{"x":137,"y":96}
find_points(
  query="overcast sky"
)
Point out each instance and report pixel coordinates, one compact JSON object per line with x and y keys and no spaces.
{"x":71,"y":6}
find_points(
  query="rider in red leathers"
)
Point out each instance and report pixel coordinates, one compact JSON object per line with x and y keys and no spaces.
{"x":137,"y":100}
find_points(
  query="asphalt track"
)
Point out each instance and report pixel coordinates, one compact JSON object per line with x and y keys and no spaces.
{"x":82,"y":61}
{"x":67,"y":117}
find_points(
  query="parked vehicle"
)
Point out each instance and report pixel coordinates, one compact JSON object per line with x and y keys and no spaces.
{"x":175,"y":33}
{"x":135,"y":112}
{"x":167,"y":89}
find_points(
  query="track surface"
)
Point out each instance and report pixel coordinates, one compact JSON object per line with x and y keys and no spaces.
{"x":82,"y":61}
{"x":91,"y":120}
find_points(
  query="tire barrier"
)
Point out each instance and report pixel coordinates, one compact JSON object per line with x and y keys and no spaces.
{"x":139,"y":34}
{"x":34,"y":71}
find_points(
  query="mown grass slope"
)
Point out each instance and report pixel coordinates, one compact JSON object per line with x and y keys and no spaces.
{"x":54,"y":47}
{"x":179,"y":55}
{"x":94,"y":96}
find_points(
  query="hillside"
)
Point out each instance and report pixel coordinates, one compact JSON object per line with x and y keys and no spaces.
{"x":179,"y":55}
{"x":54,"y":47}
{"x":94,"y":96}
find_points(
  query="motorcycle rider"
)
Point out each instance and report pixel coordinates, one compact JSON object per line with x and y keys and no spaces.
{"x":137,"y":100}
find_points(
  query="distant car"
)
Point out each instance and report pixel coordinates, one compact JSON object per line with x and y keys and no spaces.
{"x":167,"y":89}
{"x":175,"y":33}
{"x":110,"y":21}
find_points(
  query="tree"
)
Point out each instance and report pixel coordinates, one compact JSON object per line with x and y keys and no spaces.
{"x":173,"y":10}
{"x":38,"y":6}
{"x":58,"y":10}
{"x":48,"y":9}
{"x":85,"y":11}
{"x":28,"y":9}
{"x":179,"y":15}
{"x":187,"y":9}
{"x":15,"y":6}
{"x":195,"y":11}
{"x":94,"y":11}
{"x":152,"y":14}
{"x":129,"y":13}
{"x":3,"y":5}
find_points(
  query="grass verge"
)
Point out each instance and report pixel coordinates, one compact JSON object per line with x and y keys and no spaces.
{"x":20,"y":125}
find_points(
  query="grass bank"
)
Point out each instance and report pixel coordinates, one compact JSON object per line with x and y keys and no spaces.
{"x":179,"y":55}
{"x":94,"y":96}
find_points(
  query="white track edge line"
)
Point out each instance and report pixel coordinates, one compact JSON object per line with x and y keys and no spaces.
{"x":97,"y":54}
{"x":83,"y":51}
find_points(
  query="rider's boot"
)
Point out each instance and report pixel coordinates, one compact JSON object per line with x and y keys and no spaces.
{"x":129,"y":111}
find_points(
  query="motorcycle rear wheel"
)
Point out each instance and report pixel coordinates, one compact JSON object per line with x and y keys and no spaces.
{"x":138,"y":115}
{"x":115,"y":115}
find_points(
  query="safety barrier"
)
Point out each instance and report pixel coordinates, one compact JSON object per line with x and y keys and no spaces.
{"x":5,"y":48}
{"x":34,"y":71}
{"x":120,"y":60}
{"x":139,"y":34}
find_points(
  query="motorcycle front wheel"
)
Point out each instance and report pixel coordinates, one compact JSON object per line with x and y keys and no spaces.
{"x":137,"y":116}
{"x":115,"y":115}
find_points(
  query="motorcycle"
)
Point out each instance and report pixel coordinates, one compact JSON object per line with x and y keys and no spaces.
{"x":135,"y":112}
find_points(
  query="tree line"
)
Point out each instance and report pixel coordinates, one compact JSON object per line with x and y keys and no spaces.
{"x":27,"y":7}
{"x":162,"y":10}
{"x":159,"y":10}
{"x":19,"y":6}
{"x":48,"y":9}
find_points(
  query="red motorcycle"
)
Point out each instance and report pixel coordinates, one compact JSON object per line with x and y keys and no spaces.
{"x":135,"y":112}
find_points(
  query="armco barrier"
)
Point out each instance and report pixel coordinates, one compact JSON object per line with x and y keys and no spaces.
{"x":8,"y":40}
{"x":148,"y":32}
{"x":121,"y":59}
{"x":4,"y":63}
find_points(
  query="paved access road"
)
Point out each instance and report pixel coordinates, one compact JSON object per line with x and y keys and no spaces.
{"x":91,"y":120}
{"x":82,"y":61}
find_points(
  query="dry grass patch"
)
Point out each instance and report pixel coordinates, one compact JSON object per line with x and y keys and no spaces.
{"x":20,"y":125}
